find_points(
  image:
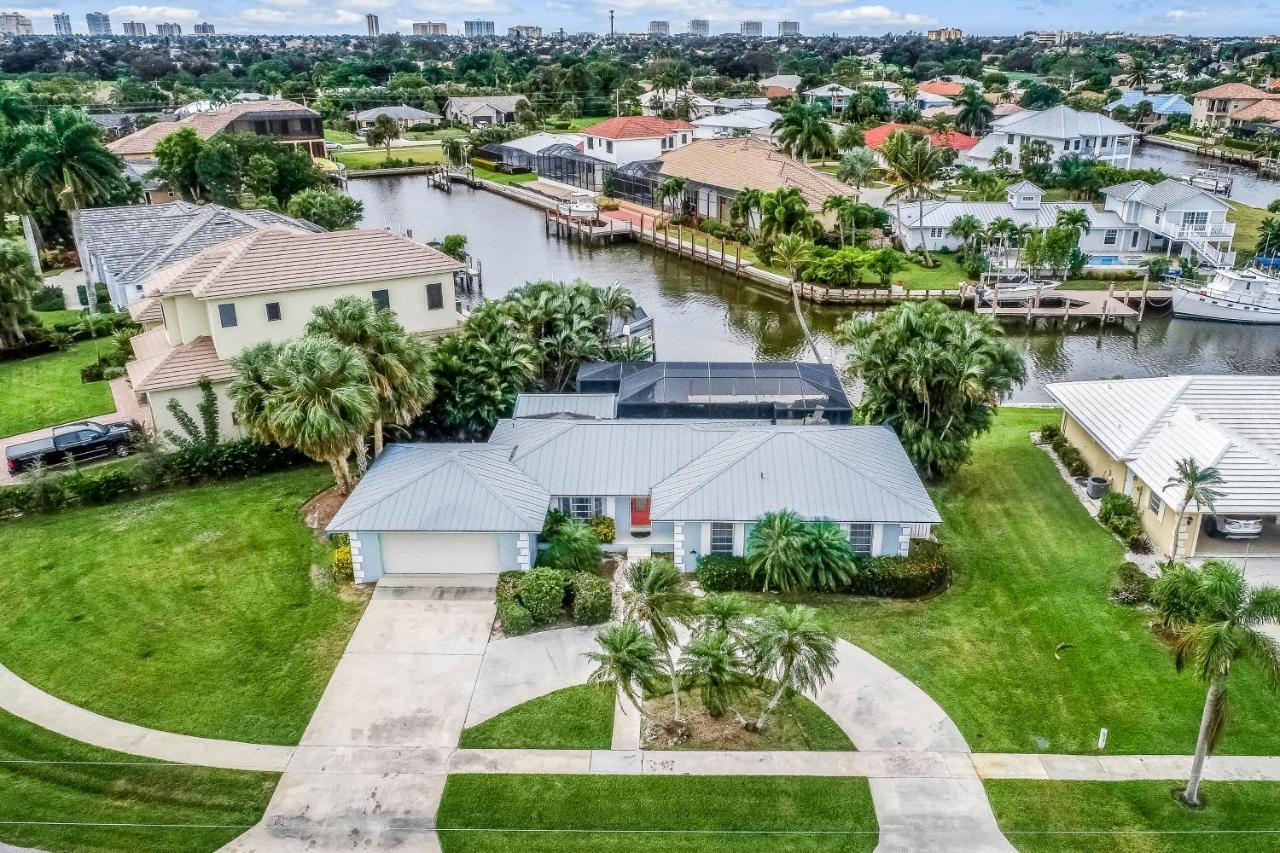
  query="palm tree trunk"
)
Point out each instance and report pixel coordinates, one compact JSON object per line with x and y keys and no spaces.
{"x":773,"y":702}
{"x":804,"y":325}
{"x":1192,"y":794}
{"x":924,"y":243}
{"x":378,"y":439}
{"x":341,"y":474}
{"x":362,"y":455}
{"x":1177,"y":530}
{"x":675,"y":685}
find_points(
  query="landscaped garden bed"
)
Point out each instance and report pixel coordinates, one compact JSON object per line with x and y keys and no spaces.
{"x":579,"y":717}
{"x":796,"y":724}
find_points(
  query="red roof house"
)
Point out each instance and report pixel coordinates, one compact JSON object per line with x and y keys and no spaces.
{"x":876,"y":136}
{"x":636,"y":127}
{"x":941,"y":88}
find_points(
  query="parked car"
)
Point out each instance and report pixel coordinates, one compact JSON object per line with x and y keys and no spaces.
{"x":1235,"y":526}
{"x":332,"y":146}
{"x":81,"y":441}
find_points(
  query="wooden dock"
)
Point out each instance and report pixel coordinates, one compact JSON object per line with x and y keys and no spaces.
{"x":1105,"y":306}
{"x":602,"y":231}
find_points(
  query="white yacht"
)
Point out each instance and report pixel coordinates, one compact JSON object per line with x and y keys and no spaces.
{"x":1012,"y":287}
{"x":1237,"y":296}
{"x":580,"y":205}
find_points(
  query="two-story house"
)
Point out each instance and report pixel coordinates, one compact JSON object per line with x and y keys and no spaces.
{"x":264,"y":286}
{"x":1064,"y":130}
{"x":288,"y":123}
{"x":1221,"y":106}
{"x":835,"y":95}
{"x":626,"y":139}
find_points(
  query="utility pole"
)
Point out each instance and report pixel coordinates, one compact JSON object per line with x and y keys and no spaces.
{"x":610,"y":25}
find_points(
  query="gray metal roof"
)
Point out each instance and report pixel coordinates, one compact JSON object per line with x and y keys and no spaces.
{"x":596,"y":406}
{"x":1060,"y":122}
{"x":940,"y":214}
{"x":444,"y":487}
{"x":1162,"y":195}
{"x":401,"y":113}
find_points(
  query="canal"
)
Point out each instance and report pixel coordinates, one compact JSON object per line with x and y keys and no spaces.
{"x":702,"y":314}
{"x":1247,"y":187}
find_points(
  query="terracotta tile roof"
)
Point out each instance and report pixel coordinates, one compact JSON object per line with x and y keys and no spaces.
{"x":877,"y":136}
{"x":1234,"y":91}
{"x":278,"y":258}
{"x":205,"y":124}
{"x":776,"y":91}
{"x":941,"y":88}
{"x":1268,"y":110}
{"x":636,"y":127}
{"x":146,"y":311}
{"x":738,"y":164}
{"x":185,"y":365}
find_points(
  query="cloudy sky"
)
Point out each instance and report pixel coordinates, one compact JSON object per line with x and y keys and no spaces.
{"x":347,"y":16}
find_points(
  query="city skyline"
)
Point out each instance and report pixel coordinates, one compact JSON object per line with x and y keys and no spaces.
{"x":815,"y":17}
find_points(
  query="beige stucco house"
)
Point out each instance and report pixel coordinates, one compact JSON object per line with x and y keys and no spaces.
{"x":204,"y":310}
{"x":1133,"y":432}
{"x":1233,"y":103}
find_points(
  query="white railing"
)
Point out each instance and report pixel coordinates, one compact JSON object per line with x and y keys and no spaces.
{"x":1203,"y":231}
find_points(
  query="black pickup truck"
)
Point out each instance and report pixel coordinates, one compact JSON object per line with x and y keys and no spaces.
{"x":82,"y":441}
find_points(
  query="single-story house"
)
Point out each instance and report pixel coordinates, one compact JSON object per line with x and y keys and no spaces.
{"x":686,"y":488}
{"x":115,"y":125}
{"x":787,"y":84}
{"x":1162,"y":105}
{"x":483,"y":109}
{"x":755,"y":122}
{"x":1133,"y":432}
{"x":730,"y":105}
{"x":404,"y":116}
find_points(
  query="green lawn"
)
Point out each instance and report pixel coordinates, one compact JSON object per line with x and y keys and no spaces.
{"x":1136,"y":817}
{"x":796,"y":723}
{"x":1248,"y":221}
{"x":503,"y":177}
{"x":373,"y":157}
{"x":578,"y":717}
{"x":46,"y":390}
{"x":688,"y":814}
{"x":48,"y":779}
{"x":435,"y":135}
{"x":1032,"y":570}
{"x":193,"y":610}
{"x":946,"y":275}
{"x":50,"y":318}
{"x":341,"y":137}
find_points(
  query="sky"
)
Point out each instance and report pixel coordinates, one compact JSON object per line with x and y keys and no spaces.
{"x":1250,"y":17}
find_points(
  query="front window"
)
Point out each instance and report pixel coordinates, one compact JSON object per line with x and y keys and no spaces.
{"x":382,"y":298}
{"x":1154,"y":503}
{"x":273,"y":311}
{"x":1110,"y":236}
{"x":435,"y":296}
{"x":608,"y":146}
{"x":860,"y":537}
{"x":227,"y":314}
{"x":581,"y":508}
{"x":721,"y":537}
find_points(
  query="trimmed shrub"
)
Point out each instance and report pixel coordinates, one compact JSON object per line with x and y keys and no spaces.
{"x":1114,"y":507}
{"x":542,"y":592}
{"x":724,"y":573}
{"x":604,"y":529}
{"x":921,"y":572}
{"x":1071,"y":458}
{"x":573,"y":547}
{"x":514,"y":619}
{"x":343,"y":568}
{"x":592,"y":599}
{"x":1049,"y":432}
{"x":1132,"y":586}
{"x":1118,"y":514}
{"x":48,"y":299}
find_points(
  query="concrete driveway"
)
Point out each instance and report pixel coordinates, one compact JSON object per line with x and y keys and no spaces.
{"x":370,"y":769}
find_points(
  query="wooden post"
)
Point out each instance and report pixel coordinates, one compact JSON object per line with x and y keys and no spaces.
{"x":1142,"y":305}
{"x":1033,"y":303}
{"x":721,"y":253}
{"x":1066,"y":311}
{"x":737,"y":257}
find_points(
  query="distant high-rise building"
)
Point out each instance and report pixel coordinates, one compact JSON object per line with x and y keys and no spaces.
{"x":205,"y":29}
{"x":946,"y":34}
{"x":788,"y":28}
{"x":699,"y":27}
{"x":659,"y":28}
{"x":431,"y":28}
{"x":371,"y":24}
{"x":524,"y":32}
{"x":13,"y":24}
{"x":137,"y":29}
{"x":751,"y":28}
{"x":168,"y":30}
{"x":477,"y":29}
{"x":99,"y":23}
{"x":61,"y":24}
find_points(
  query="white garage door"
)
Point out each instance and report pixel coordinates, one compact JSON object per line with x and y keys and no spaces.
{"x":434,"y":553}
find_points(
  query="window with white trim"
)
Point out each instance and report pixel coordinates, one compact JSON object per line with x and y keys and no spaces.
{"x":1110,"y":236}
{"x":860,"y":535}
{"x":1154,"y":503}
{"x":581,"y":507}
{"x":721,"y":537}
{"x":937,"y":232}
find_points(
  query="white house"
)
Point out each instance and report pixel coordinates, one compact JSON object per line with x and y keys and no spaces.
{"x":730,"y":105}
{"x":1064,"y":130}
{"x":835,"y":95}
{"x":652,"y":103}
{"x":204,"y":310}
{"x":751,"y":122}
{"x":626,"y":139}
{"x":685,"y":488}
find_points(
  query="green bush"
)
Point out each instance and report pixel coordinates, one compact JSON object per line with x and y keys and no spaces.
{"x":592,"y":598}
{"x":542,"y":592}
{"x":924,"y":570}
{"x":514,"y":619}
{"x":724,"y":573}
{"x":573,"y":547}
{"x":1049,"y":432}
{"x":1114,"y":507}
{"x":1070,"y":456}
{"x":1119,"y":515}
{"x":48,"y":299}
{"x":1132,"y":586}
{"x":604,"y":529}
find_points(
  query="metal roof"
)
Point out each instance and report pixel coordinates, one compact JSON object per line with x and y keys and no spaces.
{"x":1060,"y":122}
{"x":595,"y":406}
{"x":1229,"y":422}
{"x":444,"y":487}
{"x":940,"y":214}
{"x":1162,"y":195}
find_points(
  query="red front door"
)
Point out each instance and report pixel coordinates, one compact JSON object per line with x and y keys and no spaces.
{"x":639,"y":512}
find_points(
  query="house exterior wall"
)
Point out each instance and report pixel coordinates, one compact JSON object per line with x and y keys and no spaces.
{"x":1160,"y":525}
{"x":620,"y":152}
{"x":189,"y":399}
{"x":1100,"y":462}
{"x":366,"y":557}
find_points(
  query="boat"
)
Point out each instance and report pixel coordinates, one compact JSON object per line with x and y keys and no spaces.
{"x":1210,"y":179}
{"x":580,"y":205}
{"x":1236,"y":296}
{"x":1012,"y":287}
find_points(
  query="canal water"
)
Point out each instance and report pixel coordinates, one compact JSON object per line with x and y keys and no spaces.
{"x":1247,"y":187}
{"x":702,"y":314}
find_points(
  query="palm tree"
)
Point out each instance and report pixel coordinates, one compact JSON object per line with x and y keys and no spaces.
{"x":252,"y":386}
{"x":793,"y":252}
{"x":383,"y":132}
{"x":15,"y":109}
{"x":1079,"y":174}
{"x":1138,"y":74}
{"x":776,"y":551}
{"x":917,"y":166}
{"x":669,"y":190}
{"x":1217,"y":619}
{"x":845,"y":208}
{"x":829,"y":555}
{"x":1197,"y":485}
{"x":850,"y":137}
{"x":792,"y":648}
{"x":95,"y":325}
{"x":455,"y":150}
{"x":967,"y":227}
{"x":658,"y":596}
{"x":711,"y":663}
{"x":785,"y":211}
{"x":1077,"y":219}
{"x":745,"y":203}
{"x":975,"y":112}
{"x":803,"y":131}
{"x":1157,"y":268}
{"x":858,"y":167}
{"x":61,"y":165}
{"x":628,"y":660}
{"x":723,"y":611}
{"x":19,"y":281}
{"x":1269,"y":238}
{"x":396,"y":360}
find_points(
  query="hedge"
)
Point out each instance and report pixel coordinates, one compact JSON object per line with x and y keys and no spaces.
{"x":592,"y":599}
{"x":924,"y":570}
{"x":542,"y":592}
{"x":724,"y":573}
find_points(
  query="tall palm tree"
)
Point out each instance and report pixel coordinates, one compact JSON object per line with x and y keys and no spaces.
{"x":792,"y":648}
{"x":917,"y":166}
{"x":455,"y":150}
{"x":62,"y":164}
{"x":793,"y":252}
{"x":785,"y":211}
{"x":669,"y":190}
{"x":745,"y":204}
{"x":1269,"y":237}
{"x":845,"y":208}
{"x":1077,"y":219}
{"x":658,"y":596}
{"x":850,"y":137}
{"x":712,"y":663}
{"x":1197,"y":486}
{"x":967,"y":227}
{"x":804,"y":132}
{"x":627,"y":659}
{"x":396,"y":360}
{"x":384,"y":131}
{"x":1079,"y":174}
{"x":975,"y":112}
{"x":19,"y":281}
{"x":776,"y":551}
{"x":1139,"y":74}
{"x":251,"y":387}
{"x":1217,"y":620}
{"x":858,"y":167}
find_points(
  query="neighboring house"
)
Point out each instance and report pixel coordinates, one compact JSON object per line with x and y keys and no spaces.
{"x":404,"y":116}
{"x":626,"y":139}
{"x":115,"y":125}
{"x":787,"y":84}
{"x":289,"y":123}
{"x":753,"y":122}
{"x":653,"y":102}
{"x":154,"y":190}
{"x":264,"y":286}
{"x":954,"y":139}
{"x":121,"y":246}
{"x":929,"y":101}
{"x":483,"y":109}
{"x":1064,"y":130}
{"x":731,"y":105}
{"x":718,"y":169}
{"x":1133,"y":432}
{"x":775,"y":92}
{"x":686,"y":488}
{"x":1163,"y":106}
{"x":1137,"y":220}
{"x":941,"y":88}
{"x":834,"y":95}
{"x":1221,"y":106}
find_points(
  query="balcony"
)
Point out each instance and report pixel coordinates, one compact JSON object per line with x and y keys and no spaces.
{"x":1198,"y":230}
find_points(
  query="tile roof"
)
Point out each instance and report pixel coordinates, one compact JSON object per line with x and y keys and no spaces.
{"x":205,"y":124}
{"x":636,"y":127}
{"x":877,"y":136}
{"x":275,"y":259}
{"x":146,"y":311}
{"x":186,"y":365}
{"x":776,"y":91}
{"x":1268,"y":110}
{"x":942,"y":88}
{"x":1061,"y":122}
{"x":1235,"y":92}
{"x":736,"y":164}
